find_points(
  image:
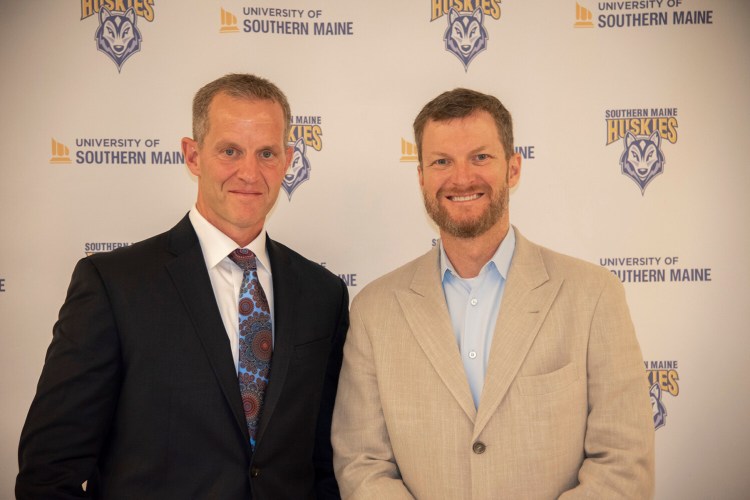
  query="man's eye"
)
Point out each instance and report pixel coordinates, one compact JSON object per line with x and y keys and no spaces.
{"x":230,"y":151}
{"x":441,"y":162}
{"x":266,"y":154}
{"x":482,"y":156}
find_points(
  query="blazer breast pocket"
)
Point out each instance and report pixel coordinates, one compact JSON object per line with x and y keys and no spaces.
{"x":318,"y":347}
{"x":548,"y":383}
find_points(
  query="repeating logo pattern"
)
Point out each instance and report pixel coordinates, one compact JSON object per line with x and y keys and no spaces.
{"x":114,"y":151}
{"x":60,"y":153}
{"x":465,"y":36}
{"x":277,"y":19}
{"x":306,"y":132}
{"x":409,"y":152}
{"x":583,"y":17}
{"x":642,"y":159}
{"x":118,"y":35}
{"x":641,"y":14}
{"x":642,"y":132}
{"x":664,"y":379}
{"x":656,"y":269}
{"x":658,"y":410}
{"x":299,"y":168}
{"x":92,"y":247}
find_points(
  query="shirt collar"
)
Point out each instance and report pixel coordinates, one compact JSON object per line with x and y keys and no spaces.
{"x":217,"y":246}
{"x":500,"y":260}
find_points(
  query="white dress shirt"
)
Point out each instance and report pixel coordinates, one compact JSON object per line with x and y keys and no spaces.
{"x":226,"y":276}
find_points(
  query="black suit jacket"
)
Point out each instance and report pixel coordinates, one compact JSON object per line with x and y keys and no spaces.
{"x":139,"y":395}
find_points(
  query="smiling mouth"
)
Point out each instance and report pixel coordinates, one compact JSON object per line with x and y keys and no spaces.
{"x":468,"y":197}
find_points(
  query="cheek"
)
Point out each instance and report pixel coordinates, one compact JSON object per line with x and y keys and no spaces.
{"x":220,"y":174}
{"x":211,"y":179}
{"x":430,"y":191}
{"x":429,"y":182}
{"x":433,"y":184}
{"x":494,"y":180}
{"x":276,"y":174}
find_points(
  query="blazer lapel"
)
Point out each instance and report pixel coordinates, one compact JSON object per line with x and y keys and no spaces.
{"x":189,"y":274}
{"x":528,"y":295}
{"x":285,"y":298}
{"x":426,"y":312}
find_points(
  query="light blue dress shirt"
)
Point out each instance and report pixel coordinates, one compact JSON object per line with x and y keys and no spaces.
{"x":474,"y":304}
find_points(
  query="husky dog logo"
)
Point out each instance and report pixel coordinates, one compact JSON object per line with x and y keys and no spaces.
{"x":642,"y":159}
{"x":657,"y":407}
{"x":466,"y":36}
{"x":299,"y":169}
{"x":117,"y":35}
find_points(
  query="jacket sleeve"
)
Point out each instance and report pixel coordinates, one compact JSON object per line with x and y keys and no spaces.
{"x":71,"y":413}
{"x":619,"y":443}
{"x":363,"y":458}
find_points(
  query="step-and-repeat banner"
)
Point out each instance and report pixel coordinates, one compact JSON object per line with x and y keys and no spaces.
{"x":631,"y":118}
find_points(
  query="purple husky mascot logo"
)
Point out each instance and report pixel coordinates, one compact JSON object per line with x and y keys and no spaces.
{"x":657,"y":407}
{"x":642,"y":159}
{"x":466,"y":36}
{"x":117,"y":35}
{"x":299,"y":169}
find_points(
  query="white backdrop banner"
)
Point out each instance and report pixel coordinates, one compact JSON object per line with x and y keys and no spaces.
{"x":629,"y":115}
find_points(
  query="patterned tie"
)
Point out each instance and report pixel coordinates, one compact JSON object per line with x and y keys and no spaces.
{"x":256,"y":341}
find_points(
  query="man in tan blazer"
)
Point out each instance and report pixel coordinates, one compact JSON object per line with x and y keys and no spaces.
{"x":490,"y":367}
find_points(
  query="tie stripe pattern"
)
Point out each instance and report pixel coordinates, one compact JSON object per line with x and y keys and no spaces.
{"x":256,"y":340}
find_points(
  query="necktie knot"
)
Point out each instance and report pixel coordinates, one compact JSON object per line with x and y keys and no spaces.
{"x":244,"y":258}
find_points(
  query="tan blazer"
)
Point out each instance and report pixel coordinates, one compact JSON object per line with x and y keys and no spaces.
{"x":564,"y":411}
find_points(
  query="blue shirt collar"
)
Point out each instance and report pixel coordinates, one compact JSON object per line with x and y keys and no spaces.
{"x":500,"y":260}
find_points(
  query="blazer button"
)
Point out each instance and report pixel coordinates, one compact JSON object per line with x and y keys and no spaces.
{"x":478,"y":447}
{"x":254,"y":472}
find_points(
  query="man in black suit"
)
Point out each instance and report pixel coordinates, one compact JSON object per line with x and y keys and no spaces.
{"x":139,"y":395}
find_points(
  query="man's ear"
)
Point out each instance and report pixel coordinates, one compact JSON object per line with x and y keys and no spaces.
{"x":514,"y":169}
{"x":190,"y":153}
{"x":421,"y":175}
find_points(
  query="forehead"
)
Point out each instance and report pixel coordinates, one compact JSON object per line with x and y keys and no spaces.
{"x":478,"y":127}
{"x":238,"y":119}
{"x":225,"y":107}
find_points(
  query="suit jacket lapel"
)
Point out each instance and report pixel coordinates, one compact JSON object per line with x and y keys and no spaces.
{"x":189,"y":274}
{"x":528,"y":295}
{"x":427,"y":314}
{"x":286,"y":297}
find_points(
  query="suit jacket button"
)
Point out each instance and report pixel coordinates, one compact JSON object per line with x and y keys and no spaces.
{"x":478,"y":447}
{"x":254,"y":472}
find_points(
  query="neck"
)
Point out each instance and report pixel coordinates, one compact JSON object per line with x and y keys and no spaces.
{"x":243,"y":236}
{"x":244,"y":240}
{"x":469,"y":255}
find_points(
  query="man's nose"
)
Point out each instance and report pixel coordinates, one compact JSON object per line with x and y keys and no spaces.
{"x":462,"y":172}
{"x":247,"y":169}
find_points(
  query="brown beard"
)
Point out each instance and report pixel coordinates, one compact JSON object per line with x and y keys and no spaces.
{"x":470,"y":228}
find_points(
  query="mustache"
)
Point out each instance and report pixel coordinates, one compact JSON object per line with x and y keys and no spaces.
{"x":474,"y":188}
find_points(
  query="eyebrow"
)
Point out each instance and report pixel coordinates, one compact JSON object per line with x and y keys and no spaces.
{"x":272,"y":147}
{"x":480,"y":149}
{"x":474,"y":151}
